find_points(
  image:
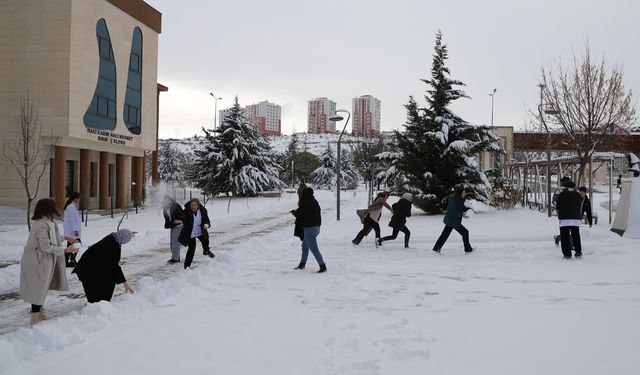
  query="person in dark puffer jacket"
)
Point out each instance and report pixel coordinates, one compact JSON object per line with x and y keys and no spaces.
{"x":569,"y":208}
{"x":401,"y":211}
{"x":308,"y":217}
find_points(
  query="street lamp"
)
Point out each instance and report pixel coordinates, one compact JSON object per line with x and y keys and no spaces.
{"x":492,"y":95}
{"x":541,"y":112}
{"x":215,"y":109}
{"x":337,"y":117}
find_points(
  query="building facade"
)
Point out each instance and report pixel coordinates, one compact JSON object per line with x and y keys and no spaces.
{"x":89,"y":69}
{"x":366,"y":116}
{"x":490,"y":160}
{"x":265,"y":115}
{"x":318,"y":114}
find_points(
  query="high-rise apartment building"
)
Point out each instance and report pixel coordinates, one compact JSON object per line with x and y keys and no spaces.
{"x":366,"y":116}
{"x":319,"y":112}
{"x":265,"y":115}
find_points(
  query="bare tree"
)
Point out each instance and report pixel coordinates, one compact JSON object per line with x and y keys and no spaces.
{"x":26,"y":152}
{"x":588,"y":104}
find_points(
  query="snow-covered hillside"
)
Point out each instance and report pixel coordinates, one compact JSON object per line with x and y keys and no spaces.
{"x":313,"y":143}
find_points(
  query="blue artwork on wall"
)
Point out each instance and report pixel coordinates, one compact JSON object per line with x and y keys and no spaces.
{"x":132,"y":113}
{"x":101,"y":113}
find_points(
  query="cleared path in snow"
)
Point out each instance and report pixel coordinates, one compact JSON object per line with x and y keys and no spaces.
{"x":14,"y":313}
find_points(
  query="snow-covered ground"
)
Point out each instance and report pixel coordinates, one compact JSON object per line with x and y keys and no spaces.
{"x":512,"y":307}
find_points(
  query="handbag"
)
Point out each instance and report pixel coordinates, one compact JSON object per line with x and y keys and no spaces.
{"x":362,"y":214}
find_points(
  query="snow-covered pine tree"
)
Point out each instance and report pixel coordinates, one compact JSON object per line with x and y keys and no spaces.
{"x":438,"y":149}
{"x":388,"y":173}
{"x":324,"y":177}
{"x":170,"y":163}
{"x":285,"y":158}
{"x":235,"y":159}
{"x":350,"y":176}
{"x":292,"y":147}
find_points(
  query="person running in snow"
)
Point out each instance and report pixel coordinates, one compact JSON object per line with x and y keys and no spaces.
{"x":42,"y":267}
{"x":196,"y":225}
{"x":569,"y":208}
{"x":586,"y":206}
{"x":308,"y":217}
{"x":173,"y":217}
{"x":373,"y":215}
{"x":99,"y":267}
{"x":456,"y":210}
{"x":401,"y":211}
{"x":72,"y":225}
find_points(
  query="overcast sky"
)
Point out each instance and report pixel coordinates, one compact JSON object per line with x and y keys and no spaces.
{"x":289,"y":51}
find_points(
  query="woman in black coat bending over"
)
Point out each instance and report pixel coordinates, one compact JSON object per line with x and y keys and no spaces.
{"x":308,"y":221}
{"x":99,"y":270}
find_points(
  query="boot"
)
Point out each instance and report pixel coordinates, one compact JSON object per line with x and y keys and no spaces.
{"x":323,"y":268}
{"x":356,"y":241}
{"x":37,"y":317}
{"x":406,"y":242}
{"x":379,"y":241}
{"x":300,"y":266}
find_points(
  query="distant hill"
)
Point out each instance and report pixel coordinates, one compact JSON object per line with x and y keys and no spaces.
{"x":313,"y":143}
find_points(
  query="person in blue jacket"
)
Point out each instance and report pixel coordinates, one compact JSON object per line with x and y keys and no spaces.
{"x":456,"y":210}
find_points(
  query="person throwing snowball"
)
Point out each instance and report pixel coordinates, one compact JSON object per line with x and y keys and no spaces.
{"x":456,"y":210}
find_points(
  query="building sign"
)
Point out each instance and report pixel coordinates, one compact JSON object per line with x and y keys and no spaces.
{"x":110,"y":137}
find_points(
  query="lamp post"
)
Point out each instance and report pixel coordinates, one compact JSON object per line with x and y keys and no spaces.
{"x":541,"y":113}
{"x":492,"y":95}
{"x":337,"y":117}
{"x":215,"y":109}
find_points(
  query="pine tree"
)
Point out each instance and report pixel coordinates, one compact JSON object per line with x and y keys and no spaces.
{"x":324,"y":177}
{"x":284,"y":159}
{"x":349,"y":175}
{"x":292,"y":148}
{"x":438,"y":150}
{"x":170,"y":163}
{"x":235,"y":159}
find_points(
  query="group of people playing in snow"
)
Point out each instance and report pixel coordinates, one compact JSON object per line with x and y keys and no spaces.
{"x":43,"y":263}
{"x":401,"y":210}
{"x":185,"y":226}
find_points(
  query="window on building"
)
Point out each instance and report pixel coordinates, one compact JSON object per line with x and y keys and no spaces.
{"x":112,"y":179}
{"x":101,"y":113}
{"x":69,"y":181}
{"x":133,"y":96}
{"x":93,"y":180}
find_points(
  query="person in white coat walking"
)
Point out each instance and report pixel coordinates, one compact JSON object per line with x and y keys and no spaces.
{"x":72,"y":225}
{"x":42,"y":265}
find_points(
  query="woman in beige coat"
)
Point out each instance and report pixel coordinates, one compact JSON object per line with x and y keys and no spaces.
{"x":42,"y":267}
{"x":374,"y":212}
